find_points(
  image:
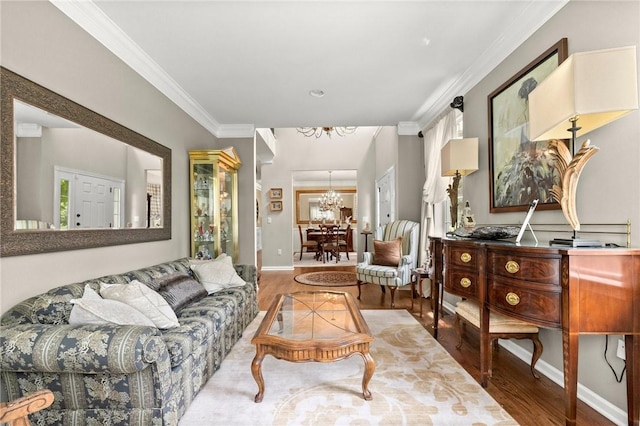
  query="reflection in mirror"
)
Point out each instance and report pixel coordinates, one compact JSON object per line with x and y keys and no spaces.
{"x":71,"y":177}
{"x":65,"y":167}
{"x":308,"y":206}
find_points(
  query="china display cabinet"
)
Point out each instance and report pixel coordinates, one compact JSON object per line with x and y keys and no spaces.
{"x":214,"y":202}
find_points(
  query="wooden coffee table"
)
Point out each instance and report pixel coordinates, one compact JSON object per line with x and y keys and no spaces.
{"x":321,"y":326}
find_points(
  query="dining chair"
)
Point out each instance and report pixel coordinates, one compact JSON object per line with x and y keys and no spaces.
{"x":304,"y":244}
{"x":343,"y":240}
{"x":330,"y":243}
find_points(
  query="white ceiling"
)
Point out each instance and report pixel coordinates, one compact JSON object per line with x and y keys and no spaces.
{"x":321,"y":177}
{"x":239,"y":65}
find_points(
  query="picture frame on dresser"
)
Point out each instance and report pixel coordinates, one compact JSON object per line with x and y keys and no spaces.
{"x":520,"y":170}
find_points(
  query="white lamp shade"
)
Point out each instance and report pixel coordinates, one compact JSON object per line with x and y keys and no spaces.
{"x":459,"y":155}
{"x":597,"y":86}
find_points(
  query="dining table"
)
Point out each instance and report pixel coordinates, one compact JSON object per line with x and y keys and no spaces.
{"x":315,"y":234}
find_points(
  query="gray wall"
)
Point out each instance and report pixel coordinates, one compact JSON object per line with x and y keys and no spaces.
{"x":609,"y":189}
{"x":410,"y":176}
{"x":42,"y":44}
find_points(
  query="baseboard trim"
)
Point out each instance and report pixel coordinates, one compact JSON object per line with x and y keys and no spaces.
{"x":277,"y":268}
{"x":586,"y":395}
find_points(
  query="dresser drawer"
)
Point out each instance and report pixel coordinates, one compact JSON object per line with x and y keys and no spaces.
{"x":542,"y":307}
{"x":462,"y":283}
{"x":462,"y":257}
{"x":537,"y":269}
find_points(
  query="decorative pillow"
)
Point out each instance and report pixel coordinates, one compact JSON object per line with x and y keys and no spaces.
{"x":178,"y":289}
{"x":139,"y":296}
{"x":93,"y":309}
{"x":217,"y":274}
{"x":387,"y":253}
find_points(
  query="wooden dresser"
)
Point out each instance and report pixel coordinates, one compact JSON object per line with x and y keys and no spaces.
{"x":581,"y":291}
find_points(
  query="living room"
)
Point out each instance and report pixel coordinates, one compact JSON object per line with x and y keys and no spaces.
{"x":42,"y":44}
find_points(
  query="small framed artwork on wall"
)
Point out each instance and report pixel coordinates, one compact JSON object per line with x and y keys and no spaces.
{"x":275,"y":193}
{"x":275,"y":206}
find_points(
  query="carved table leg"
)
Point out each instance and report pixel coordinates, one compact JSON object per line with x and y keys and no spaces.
{"x":570,"y":354}
{"x":369,"y":368}
{"x":485,"y":348}
{"x":256,"y":370}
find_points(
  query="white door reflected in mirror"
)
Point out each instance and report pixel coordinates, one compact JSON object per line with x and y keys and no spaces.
{"x":84,"y":179}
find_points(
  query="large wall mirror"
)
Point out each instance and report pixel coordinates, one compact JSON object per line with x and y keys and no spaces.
{"x":73,"y":179}
{"x":308,"y":206}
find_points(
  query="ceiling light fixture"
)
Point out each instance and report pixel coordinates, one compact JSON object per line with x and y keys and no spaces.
{"x":317,"y":131}
{"x":330,"y":200}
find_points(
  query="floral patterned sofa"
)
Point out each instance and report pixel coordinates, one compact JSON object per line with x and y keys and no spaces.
{"x":110,"y":374}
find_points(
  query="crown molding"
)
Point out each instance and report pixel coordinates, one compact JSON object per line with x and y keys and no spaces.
{"x":95,"y":22}
{"x":518,"y":30}
{"x":408,"y":128}
{"x":236,"y":131}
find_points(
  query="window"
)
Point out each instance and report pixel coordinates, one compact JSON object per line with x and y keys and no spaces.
{"x":64,"y":204}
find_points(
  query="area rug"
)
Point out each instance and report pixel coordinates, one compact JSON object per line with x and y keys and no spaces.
{"x":308,"y":261}
{"x":416,"y":382}
{"x":328,"y":278}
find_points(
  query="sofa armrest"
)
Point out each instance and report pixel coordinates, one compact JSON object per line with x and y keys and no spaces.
{"x":119,"y":349}
{"x":249,"y":273}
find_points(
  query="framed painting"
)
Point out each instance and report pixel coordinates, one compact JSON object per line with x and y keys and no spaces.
{"x":275,"y":206}
{"x":521,"y":170}
{"x":275,"y":193}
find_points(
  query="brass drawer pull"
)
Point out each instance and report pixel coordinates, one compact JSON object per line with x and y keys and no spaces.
{"x":465,"y":282}
{"x":512,"y":299}
{"x":512,"y":267}
{"x":465,"y":257}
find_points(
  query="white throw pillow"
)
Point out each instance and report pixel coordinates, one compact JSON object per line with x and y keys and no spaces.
{"x":93,"y":309}
{"x":217,"y":274}
{"x":139,"y":296}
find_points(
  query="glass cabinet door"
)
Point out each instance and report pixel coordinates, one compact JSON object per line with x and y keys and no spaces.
{"x":214,"y":223}
{"x":225,"y":178}
{"x":203,"y":239}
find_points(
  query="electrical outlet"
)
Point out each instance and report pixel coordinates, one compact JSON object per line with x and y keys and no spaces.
{"x":279,"y":252}
{"x":620,"y":352}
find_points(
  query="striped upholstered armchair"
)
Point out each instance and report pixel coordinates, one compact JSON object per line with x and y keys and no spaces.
{"x":386,"y":266}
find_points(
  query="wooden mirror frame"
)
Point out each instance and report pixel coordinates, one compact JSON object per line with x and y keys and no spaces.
{"x":299,"y":192}
{"x":14,"y":86}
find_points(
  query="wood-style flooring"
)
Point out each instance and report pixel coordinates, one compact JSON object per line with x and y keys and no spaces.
{"x":530,"y":401}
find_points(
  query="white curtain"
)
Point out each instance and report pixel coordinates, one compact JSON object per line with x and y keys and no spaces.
{"x":434,"y":190}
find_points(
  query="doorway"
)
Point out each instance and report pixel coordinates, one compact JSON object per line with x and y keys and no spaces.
{"x":86,"y":201}
{"x":386,"y":198}
{"x":308,"y":189}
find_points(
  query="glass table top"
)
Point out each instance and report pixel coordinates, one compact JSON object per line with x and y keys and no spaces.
{"x":314,"y":316}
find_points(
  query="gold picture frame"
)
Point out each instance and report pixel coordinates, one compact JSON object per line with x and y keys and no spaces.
{"x":275,"y":206}
{"x":275,"y":193}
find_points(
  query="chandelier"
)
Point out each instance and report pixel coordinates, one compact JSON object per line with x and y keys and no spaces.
{"x":317,"y":131}
{"x":330,"y":200}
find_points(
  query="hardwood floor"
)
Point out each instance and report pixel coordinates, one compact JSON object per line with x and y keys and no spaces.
{"x":530,"y":401}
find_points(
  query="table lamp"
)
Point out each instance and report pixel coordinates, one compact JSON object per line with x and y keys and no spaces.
{"x":585,"y":92}
{"x":459,"y":157}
